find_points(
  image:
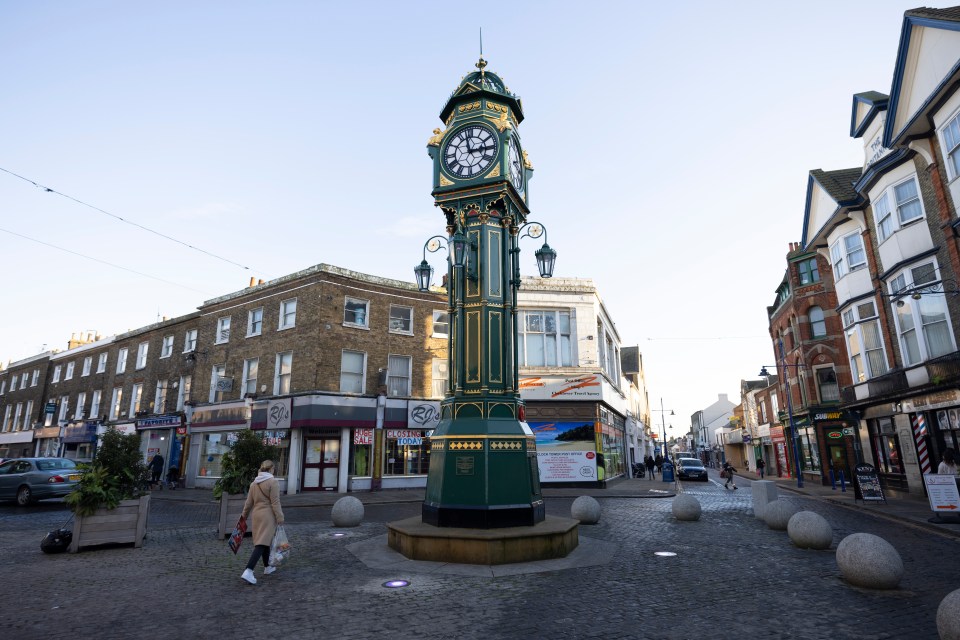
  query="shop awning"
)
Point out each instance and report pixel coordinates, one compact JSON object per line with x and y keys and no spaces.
{"x":16,"y":436}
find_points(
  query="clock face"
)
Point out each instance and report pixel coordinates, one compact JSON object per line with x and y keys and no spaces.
{"x":470,"y":151}
{"x":516,"y":165}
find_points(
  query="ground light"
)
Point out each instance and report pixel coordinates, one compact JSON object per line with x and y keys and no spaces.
{"x":665,"y":554}
{"x":396,"y":584}
{"x":337,"y":535}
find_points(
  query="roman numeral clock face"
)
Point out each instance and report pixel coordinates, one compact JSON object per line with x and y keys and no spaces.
{"x":470,"y":151}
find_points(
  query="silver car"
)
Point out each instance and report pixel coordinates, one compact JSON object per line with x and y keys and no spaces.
{"x":27,"y":480}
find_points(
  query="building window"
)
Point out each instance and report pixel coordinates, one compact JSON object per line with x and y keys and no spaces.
{"x":23,"y":380}
{"x":81,"y":400}
{"x":352,"y":368}
{"x":142,"y":350}
{"x":115,"y":402}
{"x":356,"y":312}
{"x":864,"y":342}
{"x":808,"y":271}
{"x":217,"y":389}
{"x":135,"y":399}
{"x":87,"y":365}
{"x":250,"y":367}
{"x":408,"y":453}
{"x":909,"y":208}
{"x":56,"y":377}
{"x":28,"y":415}
{"x":68,"y":374}
{"x":440,"y":377}
{"x":160,"y":398}
{"x":102,"y":363}
{"x":886,"y":446}
{"x":122,"y":360}
{"x":441,"y":324}
{"x":223,"y":330}
{"x":3,"y":387}
{"x":36,"y":377}
{"x":190,"y":341}
{"x":255,"y":322}
{"x":166,"y":348}
{"x":6,"y":418}
{"x":847,"y":254}
{"x":95,"y":404}
{"x":544,"y":339}
{"x":16,"y":416}
{"x":818,"y":325}
{"x":398,"y":375}
{"x":183,"y":394}
{"x":827,"y":383}
{"x":923,"y":323}
{"x":288,"y":314}
{"x":64,"y":408}
{"x":401,"y":319}
{"x":283,"y":372}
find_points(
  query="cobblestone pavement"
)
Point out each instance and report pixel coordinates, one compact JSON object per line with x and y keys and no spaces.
{"x":731,"y":576}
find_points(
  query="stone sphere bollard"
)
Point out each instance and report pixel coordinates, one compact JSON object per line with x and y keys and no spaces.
{"x":948,"y":616}
{"x":586,"y":509}
{"x":347,"y":512}
{"x":778,"y":513}
{"x":866,"y":560}
{"x":686,"y":507}
{"x":809,"y":530}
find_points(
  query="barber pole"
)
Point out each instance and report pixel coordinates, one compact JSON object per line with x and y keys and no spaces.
{"x":919,"y":430}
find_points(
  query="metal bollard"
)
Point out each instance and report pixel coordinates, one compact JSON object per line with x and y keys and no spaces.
{"x":833,"y":482}
{"x":843,"y":485}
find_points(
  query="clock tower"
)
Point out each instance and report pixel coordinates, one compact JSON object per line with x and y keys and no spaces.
{"x":483,"y":467}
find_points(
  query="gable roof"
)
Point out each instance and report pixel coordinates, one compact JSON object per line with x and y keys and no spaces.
{"x":838,"y":185}
{"x":866,"y":106}
{"x":925,"y":74}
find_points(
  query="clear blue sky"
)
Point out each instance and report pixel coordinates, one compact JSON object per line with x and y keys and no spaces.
{"x":671,"y":143}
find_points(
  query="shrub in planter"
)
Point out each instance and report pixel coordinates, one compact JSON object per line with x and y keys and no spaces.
{"x":239,"y":466}
{"x":116,"y":473}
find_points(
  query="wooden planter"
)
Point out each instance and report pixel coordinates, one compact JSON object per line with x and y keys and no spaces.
{"x":231,"y":506}
{"x":123,"y":525}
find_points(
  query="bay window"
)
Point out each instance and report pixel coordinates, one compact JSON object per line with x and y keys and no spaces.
{"x":923,"y":321}
{"x":847,"y":254}
{"x":861,"y":327}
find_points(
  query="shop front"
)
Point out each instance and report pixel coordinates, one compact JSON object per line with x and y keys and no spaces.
{"x":163,"y":435}
{"x":333,"y":441}
{"x":18,"y":444}
{"x":212,"y":431}
{"x":839,"y":445}
{"x":935,"y":426}
{"x":47,"y":442}
{"x":781,"y":455}
{"x":80,"y":440}
{"x":888,"y":445}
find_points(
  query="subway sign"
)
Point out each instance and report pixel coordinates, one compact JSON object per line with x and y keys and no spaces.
{"x":828,"y":415}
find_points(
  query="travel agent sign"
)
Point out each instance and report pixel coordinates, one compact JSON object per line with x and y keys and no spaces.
{"x":942,"y":493}
{"x":866,"y":484}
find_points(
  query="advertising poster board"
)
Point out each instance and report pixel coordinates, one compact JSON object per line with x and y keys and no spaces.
{"x":566,"y":451}
{"x":866,"y":484}
{"x":943,"y":493}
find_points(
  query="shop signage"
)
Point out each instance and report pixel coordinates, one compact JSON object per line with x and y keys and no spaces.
{"x":221,"y":416}
{"x":405,"y":437}
{"x":181,"y":431}
{"x":942,"y":493}
{"x":84,"y":432}
{"x":866,"y":484}
{"x":567,"y":466}
{"x":363,"y":436}
{"x":828,"y":415}
{"x":278,"y":414}
{"x":834,"y":435}
{"x":423,"y":415}
{"x":159,"y":422}
{"x":50,"y":407}
{"x":938,"y":400}
{"x":847,"y":431}
{"x":561,"y":387}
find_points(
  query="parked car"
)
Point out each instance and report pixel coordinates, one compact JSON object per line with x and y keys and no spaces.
{"x":691,"y":469}
{"x":679,"y":460}
{"x":27,"y":480}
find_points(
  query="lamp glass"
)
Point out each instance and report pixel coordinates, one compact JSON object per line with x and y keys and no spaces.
{"x":459,"y":242}
{"x":546,"y":257}
{"x":424,"y":273}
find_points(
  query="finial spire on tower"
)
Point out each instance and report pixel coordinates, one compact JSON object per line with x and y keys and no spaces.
{"x":481,"y":63}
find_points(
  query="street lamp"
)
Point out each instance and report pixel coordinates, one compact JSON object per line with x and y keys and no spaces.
{"x":663,"y":422}
{"x":793,"y":425}
{"x":545,"y":255}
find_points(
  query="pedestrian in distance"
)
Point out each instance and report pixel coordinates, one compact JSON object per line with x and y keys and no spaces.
{"x":948,"y":466}
{"x":648,"y":461}
{"x":727,"y":472}
{"x":263,"y":506}
{"x":659,"y":462}
{"x":761,"y":465}
{"x":156,"y":469}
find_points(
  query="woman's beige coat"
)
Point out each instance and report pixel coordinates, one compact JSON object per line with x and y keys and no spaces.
{"x":262,"y":510}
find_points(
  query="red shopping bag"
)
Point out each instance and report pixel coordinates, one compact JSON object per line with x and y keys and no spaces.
{"x":237,"y":537}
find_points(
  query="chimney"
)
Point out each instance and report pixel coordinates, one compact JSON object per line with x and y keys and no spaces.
{"x":252,"y":281}
{"x":260,"y":281}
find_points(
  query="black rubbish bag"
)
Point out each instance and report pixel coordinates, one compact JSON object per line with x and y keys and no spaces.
{"x":56,"y":541}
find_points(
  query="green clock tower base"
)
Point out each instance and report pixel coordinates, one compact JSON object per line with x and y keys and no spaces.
{"x":483,"y":474}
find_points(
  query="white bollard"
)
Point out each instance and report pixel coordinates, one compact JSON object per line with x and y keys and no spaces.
{"x":764,"y":492}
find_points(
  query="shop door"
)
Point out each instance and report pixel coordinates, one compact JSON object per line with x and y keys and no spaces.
{"x":838,"y":462}
{"x":321,"y":464}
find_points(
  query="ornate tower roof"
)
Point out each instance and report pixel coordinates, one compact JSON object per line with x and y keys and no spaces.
{"x":478,"y":83}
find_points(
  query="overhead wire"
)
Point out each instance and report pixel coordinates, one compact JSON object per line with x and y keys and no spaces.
{"x":124,"y":220}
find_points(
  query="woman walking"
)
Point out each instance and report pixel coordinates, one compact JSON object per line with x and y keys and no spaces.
{"x":263,"y":506}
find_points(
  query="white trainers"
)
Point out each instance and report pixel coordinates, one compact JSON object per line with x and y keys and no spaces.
{"x":248,"y":576}
{"x":268,"y":570}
